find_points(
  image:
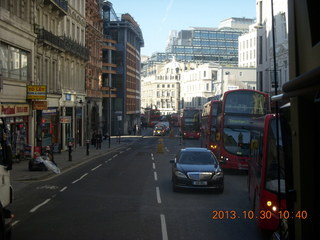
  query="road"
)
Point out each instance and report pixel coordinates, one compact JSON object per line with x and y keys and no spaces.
{"x":128,"y":195}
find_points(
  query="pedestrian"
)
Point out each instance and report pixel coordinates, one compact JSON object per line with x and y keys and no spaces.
{"x":93,"y":138}
{"x":98,"y":140}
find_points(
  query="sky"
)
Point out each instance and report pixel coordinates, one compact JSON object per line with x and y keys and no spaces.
{"x":157,"y":18}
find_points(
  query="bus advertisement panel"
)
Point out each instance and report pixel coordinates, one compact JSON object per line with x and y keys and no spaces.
{"x":210,"y":126}
{"x":190,"y":123}
{"x":239,"y":107}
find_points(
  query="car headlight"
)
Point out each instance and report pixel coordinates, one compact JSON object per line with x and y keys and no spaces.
{"x":180,"y":174}
{"x":217,"y":175}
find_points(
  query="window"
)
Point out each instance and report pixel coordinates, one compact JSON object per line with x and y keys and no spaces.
{"x":13,"y":62}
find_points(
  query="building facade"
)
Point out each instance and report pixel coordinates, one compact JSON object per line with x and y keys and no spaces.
{"x":72,"y":101}
{"x":247,"y":48}
{"x":231,"y":78}
{"x":94,"y":43}
{"x":265,"y":46}
{"x":17,"y":52}
{"x":121,"y":71}
{"x":161,"y":86}
{"x":197,"y":85}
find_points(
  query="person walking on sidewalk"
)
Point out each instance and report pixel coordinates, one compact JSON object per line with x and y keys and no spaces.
{"x":98,"y":140}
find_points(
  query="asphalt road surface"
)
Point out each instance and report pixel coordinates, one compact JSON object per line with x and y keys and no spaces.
{"x":128,"y":195}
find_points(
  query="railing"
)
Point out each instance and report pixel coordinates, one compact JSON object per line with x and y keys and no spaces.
{"x":76,"y":49}
{"x":62,"y":4}
{"x":45,"y":35}
{"x":64,"y":43}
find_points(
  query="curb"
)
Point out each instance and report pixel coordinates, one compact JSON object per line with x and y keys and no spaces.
{"x":50,"y":175}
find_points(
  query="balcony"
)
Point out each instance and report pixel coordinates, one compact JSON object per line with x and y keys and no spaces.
{"x":75,"y":48}
{"x":60,"y":5}
{"x":49,"y":38}
{"x":61,"y":43}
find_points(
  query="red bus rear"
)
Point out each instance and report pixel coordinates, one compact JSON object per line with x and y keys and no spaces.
{"x":190,"y":123}
{"x":152,"y":116}
{"x":238,"y":108}
{"x":210,"y":126}
{"x":263,"y":181}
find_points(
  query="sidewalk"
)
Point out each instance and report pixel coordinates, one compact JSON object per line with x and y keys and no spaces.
{"x":21,"y":173}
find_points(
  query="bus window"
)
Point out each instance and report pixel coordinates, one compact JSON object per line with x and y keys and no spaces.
{"x":271,"y":180}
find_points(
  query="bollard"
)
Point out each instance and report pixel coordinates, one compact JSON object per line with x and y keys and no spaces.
{"x":70,"y":151}
{"x":88,"y":144}
{"x":160,"y":146}
{"x":171,"y":133}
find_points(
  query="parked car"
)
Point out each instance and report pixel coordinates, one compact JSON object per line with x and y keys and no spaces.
{"x":196,"y":168}
{"x":159,"y":130}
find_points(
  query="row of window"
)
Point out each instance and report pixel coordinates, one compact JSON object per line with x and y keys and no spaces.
{"x":165,"y":104}
{"x":165,"y":94}
{"x":215,"y":35}
{"x":204,"y":50}
{"x":249,"y":43}
{"x":220,"y":43}
{"x":164,"y":85}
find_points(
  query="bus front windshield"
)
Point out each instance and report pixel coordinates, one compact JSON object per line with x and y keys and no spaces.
{"x":237,"y":141}
{"x":245,"y":102}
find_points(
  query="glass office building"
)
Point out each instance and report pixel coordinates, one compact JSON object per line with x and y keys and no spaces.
{"x":206,"y":44}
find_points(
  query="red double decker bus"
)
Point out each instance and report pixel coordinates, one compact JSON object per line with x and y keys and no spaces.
{"x":152,"y":116}
{"x":238,"y":108}
{"x":210,"y":126}
{"x":190,"y":123}
{"x":265,"y":167}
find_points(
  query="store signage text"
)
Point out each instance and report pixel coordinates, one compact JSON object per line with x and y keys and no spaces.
{"x":65,"y":119}
{"x":37,"y":92}
{"x":8,"y":110}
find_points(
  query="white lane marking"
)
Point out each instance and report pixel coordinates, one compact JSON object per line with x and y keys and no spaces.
{"x":153,"y":165}
{"x":63,"y":189}
{"x":120,"y":152}
{"x":40,"y":205}
{"x":158,"y":195}
{"x":152,"y":155}
{"x":128,"y":149}
{"x":163,"y":227}
{"x":96,"y":167}
{"x":15,"y":223}
{"x":155,"y":176}
{"x":116,"y":155}
{"x":80,"y":178}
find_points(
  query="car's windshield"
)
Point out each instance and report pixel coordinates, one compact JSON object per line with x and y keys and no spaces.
{"x":205,"y":158}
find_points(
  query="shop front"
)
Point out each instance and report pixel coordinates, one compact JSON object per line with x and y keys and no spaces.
{"x":47,"y":127}
{"x":16,"y":118}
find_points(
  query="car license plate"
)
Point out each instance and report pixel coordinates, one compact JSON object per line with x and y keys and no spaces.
{"x":199,"y":183}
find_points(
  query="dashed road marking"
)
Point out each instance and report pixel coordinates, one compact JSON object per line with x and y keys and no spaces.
{"x":163,"y":227}
{"x":155,"y":176}
{"x":40,"y":205}
{"x":158,"y":195}
{"x":96,"y":167}
{"x":77,"y":180}
{"x":63,"y":189}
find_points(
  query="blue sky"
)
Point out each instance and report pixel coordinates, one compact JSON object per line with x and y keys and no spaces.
{"x":157,"y":17}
